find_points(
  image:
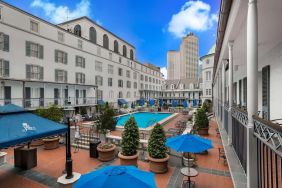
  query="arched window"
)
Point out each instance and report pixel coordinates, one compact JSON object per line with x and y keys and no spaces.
{"x":120,"y":94}
{"x":77,"y":30}
{"x":116,"y":46}
{"x":124,"y":51}
{"x":92,"y":35}
{"x":106,"y":41}
{"x":131,"y":54}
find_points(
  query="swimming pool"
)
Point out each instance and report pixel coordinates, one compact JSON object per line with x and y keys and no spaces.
{"x":143,"y":119}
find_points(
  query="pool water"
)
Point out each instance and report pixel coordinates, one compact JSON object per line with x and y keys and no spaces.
{"x":143,"y":119}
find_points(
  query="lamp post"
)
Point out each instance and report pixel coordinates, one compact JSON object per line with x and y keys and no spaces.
{"x":68,"y":114}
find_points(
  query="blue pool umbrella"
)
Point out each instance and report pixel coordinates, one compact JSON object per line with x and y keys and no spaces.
{"x":117,"y":176}
{"x":132,"y":105}
{"x":141,"y":102}
{"x":184,"y":104}
{"x":152,"y":102}
{"x":174,"y":103}
{"x":195,"y":102}
{"x":161,"y":102}
{"x":189,"y":143}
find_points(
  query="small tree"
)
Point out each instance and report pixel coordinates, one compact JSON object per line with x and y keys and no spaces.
{"x":201,"y":119}
{"x":106,"y":121}
{"x":130,"y":138}
{"x":53,"y":113}
{"x":156,"y":144}
{"x":207,"y":105}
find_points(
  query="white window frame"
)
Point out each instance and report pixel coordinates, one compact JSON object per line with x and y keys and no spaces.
{"x":32,"y":24}
{"x":110,"y":69}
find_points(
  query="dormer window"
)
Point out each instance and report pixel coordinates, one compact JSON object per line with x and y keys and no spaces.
{"x":77,"y":30}
{"x":181,"y":86}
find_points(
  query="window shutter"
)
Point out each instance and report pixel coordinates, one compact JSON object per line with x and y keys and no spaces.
{"x":96,"y":80}
{"x":6,"y":43}
{"x":41,"y":73}
{"x":27,"y":48}
{"x":83,"y":62}
{"x":76,"y":60}
{"x":83,"y":76}
{"x":265,"y":92}
{"x":56,"y":75}
{"x":76,"y":77}
{"x":41,"y":51}
{"x":245,"y":90}
{"x":66,"y":58}
{"x":101,"y":80}
{"x":28,"y":71}
{"x":66,"y":76}
{"x":56,"y":55}
{"x":6,"y":68}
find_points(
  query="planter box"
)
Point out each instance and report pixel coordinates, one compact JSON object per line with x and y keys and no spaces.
{"x":51,"y":143}
{"x":159,"y":166}
{"x":128,"y":160}
{"x":25,"y":158}
{"x":106,"y":154}
{"x":203,"y":131}
{"x":3,"y":159}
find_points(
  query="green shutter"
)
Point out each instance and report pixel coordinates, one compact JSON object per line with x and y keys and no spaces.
{"x":6,"y":43}
{"x":41,"y":51}
{"x":41,"y":73}
{"x":6,"y":69}
{"x":28,"y":71}
{"x":66,"y":76}
{"x":27,"y":48}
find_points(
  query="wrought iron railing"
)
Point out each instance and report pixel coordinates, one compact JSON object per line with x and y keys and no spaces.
{"x":269,"y":152}
{"x":240,"y":115}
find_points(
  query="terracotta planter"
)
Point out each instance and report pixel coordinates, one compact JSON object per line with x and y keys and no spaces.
{"x":158,"y":166}
{"x":51,"y":143}
{"x":35,"y":143}
{"x":128,"y":160}
{"x":203,"y":131}
{"x":106,"y":154}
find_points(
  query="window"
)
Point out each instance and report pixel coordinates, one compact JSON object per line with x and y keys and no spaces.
{"x":99,"y":80}
{"x":146,"y":78}
{"x":79,"y":44}
{"x":116,"y":46}
{"x":150,"y":79}
{"x":128,"y":84}
{"x":120,"y":83}
{"x":92,"y":35}
{"x":128,"y":74}
{"x":110,"y":82}
{"x":131,"y":54}
{"x":61,"y":75}
{"x":4,"y":68}
{"x":61,"y":36}
{"x":99,"y":94}
{"x":4,"y":42}
{"x":34,"y":72}
{"x":80,"y":61}
{"x":120,"y":95}
{"x":79,"y":78}
{"x":105,"y":41}
{"x":77,"y":30}
{"x":207,"y":92}
{"x":98,"y":66}
{"x":98,"y":51}
{"x":124,"y":51}
{"x":208,"y":75}
{"x":135,"y":85}
{"x":135,"y":75}
{"x":34,"y":26}
{"x":61,"y":57}
{"x":119,"y":60}
{"x":208,"y":61}
{"x":111,"y":94}
{"x":34,"y":50}
{"x":120,"y":71}
{"x":142,"y":86}
{"x":110,"y":69}
{"x":142,"y":77}
{"x":128,"y":94}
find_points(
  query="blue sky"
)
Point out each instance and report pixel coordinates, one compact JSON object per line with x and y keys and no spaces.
{"x":152,"y":26}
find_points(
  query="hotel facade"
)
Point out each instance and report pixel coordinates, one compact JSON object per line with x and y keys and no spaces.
{"x":247,"y":90}
{"x":78,"y":61}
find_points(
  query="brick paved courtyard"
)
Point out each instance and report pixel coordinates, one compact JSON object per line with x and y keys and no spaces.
{"x":212,"y":173}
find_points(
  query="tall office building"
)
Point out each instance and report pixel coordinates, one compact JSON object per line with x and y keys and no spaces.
{"x":183,"y":64}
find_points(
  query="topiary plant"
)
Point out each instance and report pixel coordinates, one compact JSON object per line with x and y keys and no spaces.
{"x":106,"y":121}
{"x":156,"y":144}
{"x":201,"y":119}
{"x":53,"y":113}
{"x":207,"y":105}
{"x":130,"y":138}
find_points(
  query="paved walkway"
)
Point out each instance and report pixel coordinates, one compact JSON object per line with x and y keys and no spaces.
{"x":212,"y":174}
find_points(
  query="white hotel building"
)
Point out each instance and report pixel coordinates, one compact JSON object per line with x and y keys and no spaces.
{"x":42,"y":63}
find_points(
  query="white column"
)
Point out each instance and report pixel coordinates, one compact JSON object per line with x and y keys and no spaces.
{"x":230,"y":47}
{"x":252,"y":95}
{"x":223,"y":93}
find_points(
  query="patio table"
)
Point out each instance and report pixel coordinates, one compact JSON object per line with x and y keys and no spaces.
{"x":189,"y":172}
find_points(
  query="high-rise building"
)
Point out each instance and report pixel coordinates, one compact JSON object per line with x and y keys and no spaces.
{"x":183,"y":64}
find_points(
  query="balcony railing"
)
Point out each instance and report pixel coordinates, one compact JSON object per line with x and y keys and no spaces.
{"x":239,"y":134}
{"x":269,"y":152}
{"x":34,"y":103}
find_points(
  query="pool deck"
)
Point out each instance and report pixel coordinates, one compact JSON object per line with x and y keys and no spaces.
{"x":212,"y":173}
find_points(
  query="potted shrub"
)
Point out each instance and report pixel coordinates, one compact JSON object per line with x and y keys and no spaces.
{"x":202,"y":122}
{"x":129,"y":143}
{"x":106,"y":151}
{"x":157,"y":150}
{"x":207,"y":106}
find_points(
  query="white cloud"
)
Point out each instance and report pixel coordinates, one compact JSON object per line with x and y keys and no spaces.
{"x":164,"y":72}
{"x":61,"y":13}
{"x":193,"y":16}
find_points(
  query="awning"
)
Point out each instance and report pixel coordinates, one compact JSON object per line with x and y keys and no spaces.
{"x":100,"y":102}
{"x":122,"y":102}
{"x":18,"y":125}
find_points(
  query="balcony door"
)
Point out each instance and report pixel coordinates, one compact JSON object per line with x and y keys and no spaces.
{"x":41,"y":97}
{"x":7,"y":95}
{"x":27,"y":97}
